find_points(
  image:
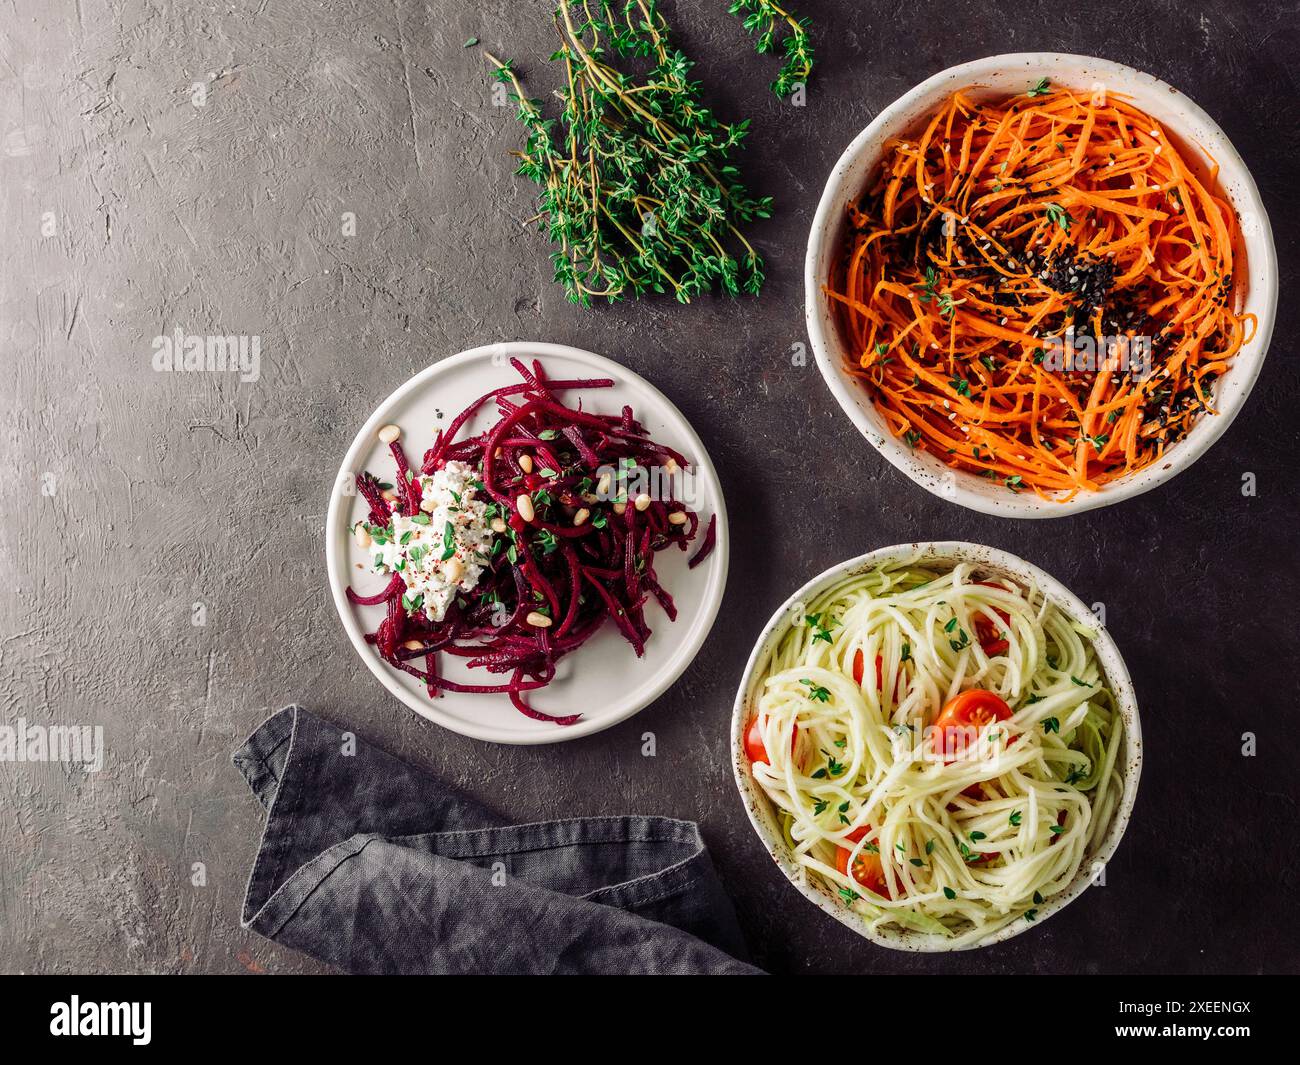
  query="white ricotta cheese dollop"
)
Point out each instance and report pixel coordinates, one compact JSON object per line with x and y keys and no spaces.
{"x":440,"y":551}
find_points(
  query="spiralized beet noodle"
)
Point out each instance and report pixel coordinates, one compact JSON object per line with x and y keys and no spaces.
{"x":577,"y":575}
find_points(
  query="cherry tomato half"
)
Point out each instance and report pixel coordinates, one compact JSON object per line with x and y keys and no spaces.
{"x":754,"y":743}
{"x":975,"y":706}
{"x":867,"y":868}
{"x":962,"y":716}
{"x":859,"y":664}
{"x":859,"y":668}
{"x":988,"y":635}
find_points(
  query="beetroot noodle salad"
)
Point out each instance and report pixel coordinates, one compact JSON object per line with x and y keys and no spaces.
{"x":511,"y":548}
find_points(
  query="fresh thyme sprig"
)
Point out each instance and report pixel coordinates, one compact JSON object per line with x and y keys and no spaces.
{"x":638,"y":191}
{"x":767,"y":18}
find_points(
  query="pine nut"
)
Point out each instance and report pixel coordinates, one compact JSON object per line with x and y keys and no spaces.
{"x":671,"y":467}
{"x":412,"y":645}
{"x":524,"y":504}
{"x":390,"y":434}
{"x":363,"y":536}
{"x":526,"y":463}
{"x":389,"y":495}
{"x":677,"y":517}
{"x":581,"y":517}
{"x":602,"y":486}
{"x":620,"y":508}
{"x":643,"y":502}
{"x":428,"y":504}
{"x":538,"y":621}
{"x":453,"y":569}
{"x":498,"y":525}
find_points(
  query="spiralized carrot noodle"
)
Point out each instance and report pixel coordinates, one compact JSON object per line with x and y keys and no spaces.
{"x":1005,"y":228}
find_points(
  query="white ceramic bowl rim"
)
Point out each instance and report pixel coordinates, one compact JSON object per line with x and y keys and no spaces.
{"x":690,"y":632}
{"x":1191,"y":124}
{"x":759,"y":808}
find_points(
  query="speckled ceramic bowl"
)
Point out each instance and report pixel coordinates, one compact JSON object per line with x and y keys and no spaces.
{"x":992,"y":561}
{"x":1003,"y":75}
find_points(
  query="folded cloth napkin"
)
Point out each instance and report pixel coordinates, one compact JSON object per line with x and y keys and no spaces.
{"x":376,"y":867}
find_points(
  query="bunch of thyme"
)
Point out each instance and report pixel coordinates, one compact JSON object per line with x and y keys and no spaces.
{"x":638,"y":191}
{"x":767,"y":18}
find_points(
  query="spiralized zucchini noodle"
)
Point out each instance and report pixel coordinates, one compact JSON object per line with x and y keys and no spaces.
{"x":940,"y":747}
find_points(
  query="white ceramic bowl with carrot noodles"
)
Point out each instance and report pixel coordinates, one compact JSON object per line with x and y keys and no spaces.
{"x":973,"y":783}
{"x":1063,"y":305}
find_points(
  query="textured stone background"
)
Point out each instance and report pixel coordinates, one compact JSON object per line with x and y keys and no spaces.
{"x":172,"y":490}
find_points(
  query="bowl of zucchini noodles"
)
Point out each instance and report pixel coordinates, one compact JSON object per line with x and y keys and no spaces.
{"x":938,"y":744}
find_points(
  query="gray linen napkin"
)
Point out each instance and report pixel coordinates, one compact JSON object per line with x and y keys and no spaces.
{"x":375,"y":867}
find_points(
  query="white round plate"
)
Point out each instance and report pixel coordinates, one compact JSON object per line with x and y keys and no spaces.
{"x":1003,"y":75}
{"x":1000,"y":564}
{"x":603,"y":680}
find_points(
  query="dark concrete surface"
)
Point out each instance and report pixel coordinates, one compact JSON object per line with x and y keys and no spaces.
{"x":129,"y":211}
